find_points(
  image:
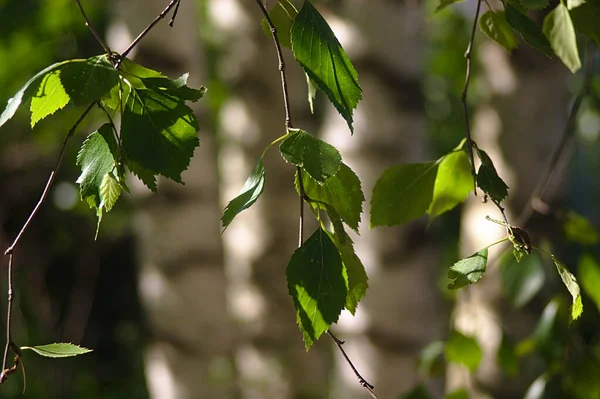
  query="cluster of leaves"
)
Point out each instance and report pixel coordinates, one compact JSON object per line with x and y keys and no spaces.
{"x":158,"y":131}
{"x":557,"y":35}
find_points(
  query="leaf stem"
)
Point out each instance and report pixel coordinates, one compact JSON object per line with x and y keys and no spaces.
{"x":464,"y":97}
{"x":88,"y":23}
{"x":173,"y":3}
{"x":542,"y":186}
{"x":277,"y":140}
{"x":361,"y":380}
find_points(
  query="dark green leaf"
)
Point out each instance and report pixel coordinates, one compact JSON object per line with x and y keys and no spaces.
{"x":253,"y":188}
{"x":507,"y":356}
{"x":534,"y":4}
{"x":529,"y":30}
{"x":464,"y":350}
{"x":176,"y":88}
{"x":445,"y":3}
{"x":355,"y":275}
{"x":430,"y":358}
{"x":544,"y":334}
{"x":559,"y":30}
{"x":584,"y":382}
{"x":282,"y":15}
{"x":317,"y":285}
{"x":58,"y":350}
{"x":571,"y":283}
{"x":96,"y":158}
{"x":418,"y":392}
{"x":319,"y":159}
{"x":522,"y":281}
{"x":318,"y":51}
{"x":488,"y":179}
{"x":589,"y":274}
{"x":458,"y":394}
{"x":27,"y":91}
{"x":468,"y":270}
{"x":146,"y":176}
{"x":158,"y":132}
{"x":89,"y":80}
{"x":403,"y":193}
{"x":452,"y":184}
{"x":494,"y":25}
{"x":585,"y":19}
{"x":579,"y":229}
{"x":342,"y":191}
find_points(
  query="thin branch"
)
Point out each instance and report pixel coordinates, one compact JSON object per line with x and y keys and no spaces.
{"x":542,"y":186}
{"x":7,"y":346}
{"x":464,"y":97}
{"x":286,"y":99}
{"x":35,"y":210}
{"x":361,"y":380}
{"x":302,"y":197}
{"x":88,"y":23}
{"x":134,"y":43}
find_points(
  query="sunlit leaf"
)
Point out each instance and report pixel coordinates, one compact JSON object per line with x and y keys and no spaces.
{"x":317,"y":285}
{"x":453,"y":183}
{"x":464,"y":350}
{"x":559,"y":30}
{"x":468,"y":270}
{"x":402,"y":193}
{"x":253,"y":188}
{"x":494,"y":25}
{"x":529,"y":30}
{"x":110,"y":190}
{"x":50,"y":97}
{"x":571,"y":283}
{"x":319,"y":159}
{"x":319,"y":52}
{"x":58,"y":350}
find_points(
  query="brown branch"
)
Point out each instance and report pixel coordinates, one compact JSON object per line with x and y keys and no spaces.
{"x":88,"y":23}
{"x":135,"y":41}
{"x":7,"y":346}
{"x":542,"y":186}
{"x":464,"y":97}
{"x":361,"y":380}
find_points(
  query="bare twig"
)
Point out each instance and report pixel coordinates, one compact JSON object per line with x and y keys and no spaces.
{"x":464,"y":97}
{"x":135,"y":41}
{"x":361,"y":380}
{"x":88,"y":23}
{"x":542,"y":186}
{"x":35,"y":210}
{"x":7,"y":346}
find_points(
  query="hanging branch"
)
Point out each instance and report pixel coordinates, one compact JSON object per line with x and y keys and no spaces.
{"x":288,"y":124}
{"x":542,"y":186}
{"x":464,"y":97}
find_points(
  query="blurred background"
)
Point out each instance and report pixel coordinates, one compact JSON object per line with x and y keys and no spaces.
{"x":175,"y":309}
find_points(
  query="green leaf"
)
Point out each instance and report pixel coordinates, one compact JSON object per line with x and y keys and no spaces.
{"x":589,"y":274}
{"x":58,"y":350}
{"x":282,"y":15}
{"x":110,"y":190}
{"x":27,"y":91}
{"x":494,"y":25}
{"x":522,"y":281}
{"x":529,"y":30}
{"x":89,"y":80}
{"x":253,"y":188}
{"x":97,"y":159}
{"x":318,"y":51}
{"x":158,"y":132}
{"x":579,"y":229}
{"x":464,"y":350}
{"x":488,"y":179}
{"x":316,"y":283}
{"x":575,"y":3}
{"x":458,"y":394}
{"x":534,"y":4}
{"x":453,"y":183}
{"x":418,"y":392}
{"x":355,"y":275}
{"x":312,"y":93}
{"x":342,"y":191}
{"x":402,"y":193}
{"x":544,"y":336}
{"x":177,"y":88}
{"x":468,"y":270}
{"x":445,"y":3}
{"x":146,"y":176}
{"x":559,"y":30}
{"x":585,"y":19}
{"x":50,"y":97}
{"x":319,"y":159}
{"x":570,"y":282}
{"x":429,"y":359}
{"x":507,"y":356}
